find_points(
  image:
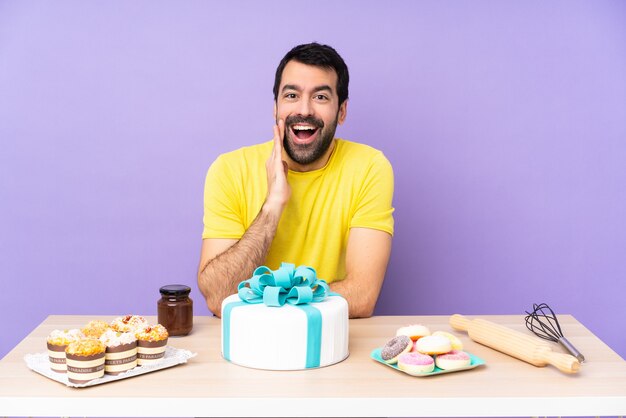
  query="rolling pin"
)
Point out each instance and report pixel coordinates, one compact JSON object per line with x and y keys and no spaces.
{"x":514,"y":343}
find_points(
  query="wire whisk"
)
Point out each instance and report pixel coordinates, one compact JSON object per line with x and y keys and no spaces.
{"x":543,"y":323}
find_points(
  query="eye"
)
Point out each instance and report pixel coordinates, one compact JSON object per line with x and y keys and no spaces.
{"x":321,"y":97}
{"x":290,"y":96}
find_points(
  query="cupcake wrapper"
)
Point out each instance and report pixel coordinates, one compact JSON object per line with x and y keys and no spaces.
{"x":120,"y":358}
{"x":56,"y":356}
{"x":82,"y":369}
{"x":149,"y":352}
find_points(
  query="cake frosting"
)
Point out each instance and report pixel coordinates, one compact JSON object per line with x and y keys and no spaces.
{"x":155,"y":333}
{"x":274,"y":338}
{"x":113,"y":338}
{"x":129,"y":323}
{"x":64,"y":337}
{"x":284,"y":320}
{"x":94,"y":329}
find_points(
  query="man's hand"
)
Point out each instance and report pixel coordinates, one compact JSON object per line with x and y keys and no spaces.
{"x":278,"y":190}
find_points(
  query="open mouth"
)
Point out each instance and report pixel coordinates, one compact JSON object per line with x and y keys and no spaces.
{"x":303,"y":133}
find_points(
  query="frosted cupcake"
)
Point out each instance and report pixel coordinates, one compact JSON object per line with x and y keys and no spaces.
{"x":95,"y":329}
{"x":57,"y":341}
{"x":129,"y":323}
{"x":85,"y":360}
{"x":121,"y":351}
{"x":151,"y":343}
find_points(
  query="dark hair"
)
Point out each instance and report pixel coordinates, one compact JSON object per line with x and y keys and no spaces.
{"x":320,"y":56}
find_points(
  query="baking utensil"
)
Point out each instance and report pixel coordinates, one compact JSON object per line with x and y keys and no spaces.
{"x":514,"y":343}
{"x":543,"y":323}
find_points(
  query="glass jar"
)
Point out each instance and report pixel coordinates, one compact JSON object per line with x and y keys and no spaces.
{"x":175,"y":309}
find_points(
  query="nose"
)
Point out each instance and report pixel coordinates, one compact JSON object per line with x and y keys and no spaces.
{"x":304,"y":107}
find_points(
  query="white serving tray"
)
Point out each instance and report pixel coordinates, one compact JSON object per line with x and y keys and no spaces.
{"x":173,"y":356}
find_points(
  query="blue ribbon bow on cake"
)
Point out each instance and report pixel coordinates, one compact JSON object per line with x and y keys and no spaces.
{"x":288,"y":284}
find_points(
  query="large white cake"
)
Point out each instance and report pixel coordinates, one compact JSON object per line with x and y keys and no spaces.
{"x":289,"y":337}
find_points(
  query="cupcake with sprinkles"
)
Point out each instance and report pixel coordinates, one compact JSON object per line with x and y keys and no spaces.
{"x":57,"y":342}
{"x":94,"y":329}
{"x":85,"y":360}
{"x":151,"y":343}
{"x":129,"y":323}
{"x":121,"y":351}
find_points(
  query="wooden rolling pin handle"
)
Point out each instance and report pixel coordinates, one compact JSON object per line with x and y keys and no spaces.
{"x":459,"y":322}
{"x":514,"y":343}
{"x":564,"y":362}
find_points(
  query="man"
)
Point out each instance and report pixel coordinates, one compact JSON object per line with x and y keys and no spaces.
{"x":305,"y":197}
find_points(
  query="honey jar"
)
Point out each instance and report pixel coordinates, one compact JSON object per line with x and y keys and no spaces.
{"x":175,"y":309}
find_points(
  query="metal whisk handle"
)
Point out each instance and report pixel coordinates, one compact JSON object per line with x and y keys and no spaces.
{"x":569,"y":347}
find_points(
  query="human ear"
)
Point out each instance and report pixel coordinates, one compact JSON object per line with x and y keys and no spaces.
{"x":343,"y":111}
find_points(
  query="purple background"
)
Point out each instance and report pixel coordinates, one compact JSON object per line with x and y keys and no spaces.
{"x":505,"y":123}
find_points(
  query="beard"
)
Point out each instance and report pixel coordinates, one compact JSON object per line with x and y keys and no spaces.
{"x":305,"y":154}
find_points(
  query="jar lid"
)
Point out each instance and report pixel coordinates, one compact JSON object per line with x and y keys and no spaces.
{"x":175,"y":290}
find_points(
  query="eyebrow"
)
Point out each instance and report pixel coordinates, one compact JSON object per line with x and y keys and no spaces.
{"x":323,"y":87}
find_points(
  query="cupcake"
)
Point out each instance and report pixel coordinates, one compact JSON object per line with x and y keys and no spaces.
{"x":151,"y":344}
{"x":129,"y":323}
{"x":121,"y":351}
{"x":95,"y":329}
{"x":57,"y":341}
{"x":85,"y":360}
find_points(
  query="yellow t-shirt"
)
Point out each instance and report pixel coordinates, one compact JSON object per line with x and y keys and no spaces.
{"x":354,"y":189}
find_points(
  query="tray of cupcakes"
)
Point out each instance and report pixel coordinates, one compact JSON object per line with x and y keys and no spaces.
{"x":418,"y":352}
{"x":102,"y":352}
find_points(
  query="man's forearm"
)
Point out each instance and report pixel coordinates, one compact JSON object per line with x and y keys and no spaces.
{"x":220,"y":276}
{"x":367,"y":256}
{"x":361,"y":301}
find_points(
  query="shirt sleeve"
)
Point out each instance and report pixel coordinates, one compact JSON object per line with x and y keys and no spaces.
{"x":374,"y":200}
{"x":222,"y":204}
